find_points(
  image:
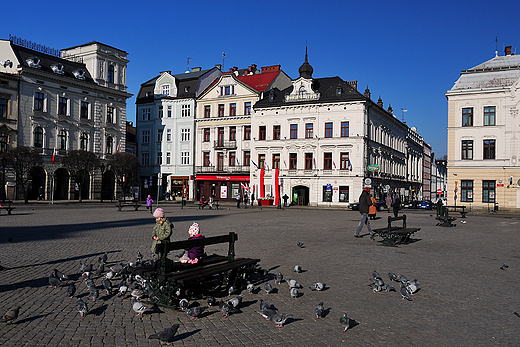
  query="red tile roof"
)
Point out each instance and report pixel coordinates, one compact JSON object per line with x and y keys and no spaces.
{"x":259,"y":82}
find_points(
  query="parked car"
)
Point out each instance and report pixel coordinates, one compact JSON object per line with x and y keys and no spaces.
{"x":425,"y":204}
{"x":381,"y":206}
{"x":410,"y":204}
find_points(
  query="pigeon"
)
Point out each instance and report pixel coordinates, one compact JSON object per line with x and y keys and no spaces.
{"x":108,"y":286}
{"x":100,"y":269}
{"x":279,"y":319}
{"x":60,"y":275}
{"x":297,"y":268}
{"x":267,"y":313}
{"x":123,"y":288}
{"x":109,"y":275}
{"x":90,"y":283}
{"x":293,"y":284}
{"x":345,"y":322}
{"x":300,"y":244}
{"x":318,"y":286}
{"x":263,"y":305}
{"x":139,"y":307}
{"x":103,"y":258}
{"x":389,"y":287}
{"x":139,"y":257}
{"x":268,"y":288}
{"x":403,"y":279}
{"x":279,"y":278}
{"x":85,"y":268}
{"x":82,"y":307}
{"x":504,"y":266}
{"x":85,"y":275}
{"x":319,"y":310}
{"x":405,"y":294}
{"x":183,"y":304}
{"x":71,"y":290}
{"x":231,"y":290}
{"x":463,"y":221}
{"x":195,"y":312}
{"x":224,"y":307}
{"x":234,"y":302}
{"x":54,"y":281}
{"x":166,"y":335}
{"x":11,"y":315}
{"x":412,"y":286}
{"x":94,"y":293}
{"x":250,"y":287}
{"x":294,"y":293}
{"x":137,"y":293}
{"x":375,"y":274}
{"x":393,"y":277}
{"x":211,"y":301}
{"x":376,"y":288}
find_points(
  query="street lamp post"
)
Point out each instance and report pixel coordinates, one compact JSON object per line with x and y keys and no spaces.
{"x":102,"y":174}
{"x":4,"y":163}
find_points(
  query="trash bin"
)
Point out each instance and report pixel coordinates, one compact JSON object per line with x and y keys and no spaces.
{"x":495,"y":207}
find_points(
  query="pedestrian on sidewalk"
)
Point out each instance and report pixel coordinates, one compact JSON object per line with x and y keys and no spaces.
{"x":364,"y":204}
{"x":388,"y":202}
{"x":238,"y":200}
{"x":396,"y":205}
{"x":372,"y":210}
{"x":149,"y":203}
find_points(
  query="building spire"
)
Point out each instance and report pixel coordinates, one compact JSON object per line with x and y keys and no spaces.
{"x":306,"y":69}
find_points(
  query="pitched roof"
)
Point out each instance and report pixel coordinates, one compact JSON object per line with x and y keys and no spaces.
{"x":259,"y":82}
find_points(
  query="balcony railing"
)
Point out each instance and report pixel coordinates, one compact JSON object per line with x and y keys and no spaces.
{"x":222,"y":169}
{"x":225,"y":144}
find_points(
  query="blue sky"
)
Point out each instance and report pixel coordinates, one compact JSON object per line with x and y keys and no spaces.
{"x":409,"y":53}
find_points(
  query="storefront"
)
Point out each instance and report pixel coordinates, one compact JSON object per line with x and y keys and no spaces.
{"x":179,"y":187}
{"x":221,"y":187}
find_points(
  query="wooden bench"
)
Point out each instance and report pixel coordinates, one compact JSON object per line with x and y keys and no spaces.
{"x":461,"y":209}
{"x":169,"y":277}
{"x":202,"y":205}
{"x":125,"y":203}
{"x":444,"y":218}
{"x":393,"y":235}
{"x":8,"y":208}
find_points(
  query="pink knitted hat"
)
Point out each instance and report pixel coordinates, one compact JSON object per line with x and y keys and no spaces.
{"x":158,"y":213}
{"x":194,"y":229}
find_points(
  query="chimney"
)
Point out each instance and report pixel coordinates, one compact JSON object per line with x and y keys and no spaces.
{"x":507,"y":50}
{"x":353,"y":84}
{"x":196,"y":69}
{"x":218,"y":66}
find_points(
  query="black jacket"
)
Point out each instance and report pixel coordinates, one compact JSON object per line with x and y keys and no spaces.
{"x":364,"y":202}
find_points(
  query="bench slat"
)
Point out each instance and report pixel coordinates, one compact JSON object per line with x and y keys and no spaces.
{"x":213,"y":270}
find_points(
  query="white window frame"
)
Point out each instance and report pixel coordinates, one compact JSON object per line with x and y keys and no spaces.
{"x":185,"y":158}
{"x":169,"y":135}
{"x":168,"y":158}
{"x":44,"y":106}
{"x":165,"y":90}
{"x":186,"y":111}
{"x":67,"y":106}
{"x":170,"y":111}
{"x":185,"y":134}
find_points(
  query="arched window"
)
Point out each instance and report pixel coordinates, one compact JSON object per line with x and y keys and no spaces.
{"x":301,"y":91}
{"x":110,"y":77}
{"x":110,"y":145}
{"x":62,"y":140}
{"x":38,"y":137}
{"x":83,"y":141}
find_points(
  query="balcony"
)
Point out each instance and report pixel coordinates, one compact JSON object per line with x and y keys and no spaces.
{"x":222,"y":169}
{"x":225,"y":144}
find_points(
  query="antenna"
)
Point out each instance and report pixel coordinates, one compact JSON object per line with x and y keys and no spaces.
{"x":223,"y":59}
{"x":403,"y":111}
{"x":188,"y":64}
{"x":496,"y":46}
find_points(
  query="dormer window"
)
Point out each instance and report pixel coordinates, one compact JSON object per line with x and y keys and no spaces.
{"x":165,"y":90}
{"x":227,"y":90}
{"x":33,"y":62}
{"x":79,"y":74}
{"x":57,"y":68}
{"x":186,"y":89}
{"x":339,"y":90}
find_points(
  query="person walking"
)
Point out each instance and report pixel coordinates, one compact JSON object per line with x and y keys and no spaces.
{"x":396,"y":205}
{"x":372,"y":210}
{"x":149,"y":203}
{"x":364,"y":204}
{"x":238,"y":200}
{"x":388,"y":202}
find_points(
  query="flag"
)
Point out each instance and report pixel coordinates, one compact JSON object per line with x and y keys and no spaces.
{"x":118,"y":148}
{"x":53,"y":155}
{"x":274,"y":177}
{"x":261,"y":183}
{"x":334,"y":163}
{"x":284,"y":163}
{"x":266,"y":166}
{"x":314,"y":161}
{"x":254,"y":164}
{"x":349,"y":165}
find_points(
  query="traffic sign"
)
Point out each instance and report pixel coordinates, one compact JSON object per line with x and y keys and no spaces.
{"x":439,"y":191}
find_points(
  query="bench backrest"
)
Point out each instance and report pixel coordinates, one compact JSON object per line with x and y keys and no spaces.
{"x":393,"y":219}
{"x":212,"y":240}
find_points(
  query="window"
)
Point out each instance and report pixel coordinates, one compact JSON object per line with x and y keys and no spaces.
{"x":146,"y":113}
{"x":232,"y":158}
{"x":110,"y":145}
{"x":227,"y":90}
{"x":221,"y":110}
{"x":327,"y":195}
{"x":467,"y":149}
{"x":62,"y":140}
{"x":247,"y":108}
{"x":159,"y":135}
{"x":62,"y":105}
{"x":247,"y":158}
{"x":308,"y":161}
{"x":38,"y":137}
{"x":168,"y":158}
{"x":169,"y":135}
{"x":145,"y":159}
{"x":328,"y":130}
{"x":145,"y":136}
{"x":309,"y":131}
{"x":186,"y":111}
{"x":83,"y":141}
{"x":169,"y":112}
{"x":276,"y":161}
{"x":110,"y":77}
{"x":247,"y":132}
{"x":232,"y":133}
{"x":294,"y":131}
{"x":344,"y":161}
{"x":3,"y":108}
{"x":232,"y":109}
{"x":261,"y":161}
{"x":489,"y":115}
{"x":488,"y":191}
{"x":344,"y":131}
{"x":185,"y":158}
{"x":327,"y":161}
{"x":220,"y":161}
{"x":83,"y":112}
{"x":261,"y":133}
{"x":489,"y":149}
{"x":466,"y":191}
{"x":185,"y":134}
{"x":276,"y":132}
{"x":165,"y":90}
{"x":160,"y":111}
{"x":293,"y":161}
{"x":110,"y":114}
{"x":38,"y":101}
{"x":159,"y":158}
{"x":343,"y":193}
{"x":207,"y":111}
{"x":205,"y":160}
{"x":467,"y":117}
{"x":220,"y":136}
{"x":206,"y":135}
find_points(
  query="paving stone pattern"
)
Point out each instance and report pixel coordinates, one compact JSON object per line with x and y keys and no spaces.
{"x":464,"y":297}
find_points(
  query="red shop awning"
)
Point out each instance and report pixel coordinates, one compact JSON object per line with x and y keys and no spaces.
{"x":222,"y":178}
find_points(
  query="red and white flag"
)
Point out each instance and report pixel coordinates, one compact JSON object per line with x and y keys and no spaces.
{"x":261,"y":184}
{"x":274,"y":176}
{"x":53,"y":155}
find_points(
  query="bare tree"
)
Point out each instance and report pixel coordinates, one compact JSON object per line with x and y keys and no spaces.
{"x":19,"y":161}
{"x":125,"y":167}
{"x":80,"y":163}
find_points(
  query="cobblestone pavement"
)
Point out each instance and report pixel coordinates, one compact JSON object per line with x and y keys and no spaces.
{"x":465,"y":298}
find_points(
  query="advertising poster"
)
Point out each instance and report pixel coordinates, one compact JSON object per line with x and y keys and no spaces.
{"x":223,"y":192}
